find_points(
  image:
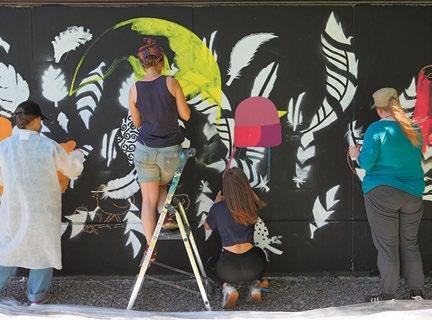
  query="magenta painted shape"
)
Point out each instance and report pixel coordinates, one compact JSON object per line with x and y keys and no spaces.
{"x":257,"y":124}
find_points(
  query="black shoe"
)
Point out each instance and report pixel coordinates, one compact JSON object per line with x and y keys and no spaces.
{"x":380,"y":297}
{"x":416,"y":294}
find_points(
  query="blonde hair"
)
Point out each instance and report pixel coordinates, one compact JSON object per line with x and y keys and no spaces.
{"x":404,"y":121}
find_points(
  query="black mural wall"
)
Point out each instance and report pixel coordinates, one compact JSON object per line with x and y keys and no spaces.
{"x":317,"y":65}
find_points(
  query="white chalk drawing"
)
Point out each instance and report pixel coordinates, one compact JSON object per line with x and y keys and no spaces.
{"x":4,"y":45}
{"x":211,"y":43}
{"x":265,"y":81}
{"x":63,"y":121}
{"x":108,"y":150}
{"x":90,"y":95}
{"x":69,"y":40}
{"x":322,"y":213}
{"x":54,"y":85}
{"x":243,"y":53}
{"x":13,"y":89}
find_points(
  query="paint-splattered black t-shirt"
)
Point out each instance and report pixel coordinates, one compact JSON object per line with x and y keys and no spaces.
{"x":230,"y":231}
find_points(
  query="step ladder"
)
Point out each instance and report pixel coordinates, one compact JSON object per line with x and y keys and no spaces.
{"x":184,"y":233}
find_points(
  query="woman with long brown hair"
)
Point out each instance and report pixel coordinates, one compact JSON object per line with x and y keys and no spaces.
{"x":393,"y":188}
{"x":234,"y":215}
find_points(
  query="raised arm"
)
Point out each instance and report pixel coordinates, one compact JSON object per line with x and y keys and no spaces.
{"x":176,"y":90}
{"x":71,"y":165}
{"x":136,"y":117}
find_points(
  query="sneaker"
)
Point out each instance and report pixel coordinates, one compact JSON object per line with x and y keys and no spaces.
{"x":380,"y":297}
{"x":40,"y":302}
{"x":169,"y":223}
{"x":254,"y":292}
{"x":229,"y":296}
{"x":416,"y":294}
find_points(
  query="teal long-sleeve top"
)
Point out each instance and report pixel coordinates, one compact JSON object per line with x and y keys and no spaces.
{"x":390,"y":159}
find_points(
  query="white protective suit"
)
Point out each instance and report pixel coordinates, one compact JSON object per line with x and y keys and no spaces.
{"x":30,"y":209}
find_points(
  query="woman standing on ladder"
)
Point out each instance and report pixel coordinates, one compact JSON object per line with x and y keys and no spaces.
{"x":156,"y":102}
{"x":393,"y":189}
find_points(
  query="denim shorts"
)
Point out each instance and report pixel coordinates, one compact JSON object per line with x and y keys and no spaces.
{"x":156,"y":164}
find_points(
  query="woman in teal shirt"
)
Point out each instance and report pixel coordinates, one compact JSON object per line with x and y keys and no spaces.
{"x":393,"y":188}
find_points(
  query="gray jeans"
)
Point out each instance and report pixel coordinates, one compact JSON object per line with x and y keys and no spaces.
{"x":394,"y":217}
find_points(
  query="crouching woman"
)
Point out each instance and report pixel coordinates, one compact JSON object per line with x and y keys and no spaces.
{"x":234,"y":216}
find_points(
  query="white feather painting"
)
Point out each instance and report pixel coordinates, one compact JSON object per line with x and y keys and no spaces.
{"x":54,"y":85}
{"x":4,"y":45}
{"x":69,"y":40}
{"x":122,"y":188}
{"x":124,"y":91}
{"x":133,"y":225}
{"x":341,"y":67}
{"x":90,"y":94}
{"x":264,"y":82}
{"x":108,"y":150}
{"x":13,"y":89}
{"x":243,"y":53}
{"x":322,"y":213}
{"x":63,"y":121}
{"x":210,"y":45}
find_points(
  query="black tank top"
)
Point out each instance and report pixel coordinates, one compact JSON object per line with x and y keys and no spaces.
{"x":159,"y":116}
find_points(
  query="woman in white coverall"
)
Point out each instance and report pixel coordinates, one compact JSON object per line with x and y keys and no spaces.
{"x":30,"y":209}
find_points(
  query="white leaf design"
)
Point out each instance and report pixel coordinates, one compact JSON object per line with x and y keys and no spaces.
{"x":321,"y":213}
{"x":408,"y":98}
{"x":121,"y":188}
{"x":209,"y":131}
{"x":341,"y":69}
{"x":63,"y":121}
{"x":78,"y":222}
{"x":210,"y":45}
{"x":354,"y":133}
{"x":204,"y":203}
{"x":263,"y":240}
{"x":108,"y":150}
{"x":265,"y":81}
{"x":186,"y":143}
{"x":54,"y":85}
{"x":302,"y":174}
{"x":90,"y":94}
{"x":124,"y":91}
{"x":69,"y":40}
{"x":64,"y":226}
{"x":244,"y":51}
{"x":13,"y":90}
{"x":294,"y":114}
{"x":330,"y":197}
{"x":133,"y":224}
{"x":4,"y":45}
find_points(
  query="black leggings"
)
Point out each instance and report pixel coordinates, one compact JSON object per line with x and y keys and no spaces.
{"x":248,"y":266}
